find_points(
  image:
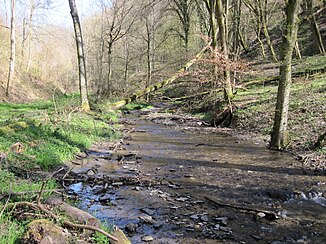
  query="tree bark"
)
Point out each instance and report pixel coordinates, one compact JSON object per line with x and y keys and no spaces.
{"x":279,"y":137}
{"x":221,"y":17}
{"x":81,"y":57}
{"x":12,"y":47}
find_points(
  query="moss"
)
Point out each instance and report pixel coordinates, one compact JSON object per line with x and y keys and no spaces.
{"x":41,"y":230}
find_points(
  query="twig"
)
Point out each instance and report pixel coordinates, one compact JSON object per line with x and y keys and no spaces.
{"x":66,"y":174}
{"x":45,"y":181}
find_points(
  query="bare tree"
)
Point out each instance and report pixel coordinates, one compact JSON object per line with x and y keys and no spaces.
{"x":12,"y":47}
{"x":81,"y":56}
{"x":279,"y":137}
{"x":183,"y":9}
{"x":119,"y":20}
{"x":218,"y":16}
{"x":260,"y":10}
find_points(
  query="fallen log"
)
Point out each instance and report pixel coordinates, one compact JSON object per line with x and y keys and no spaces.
{"x":157,"y":86}
{"x":74,"y":213}
{"x":268,"y":214}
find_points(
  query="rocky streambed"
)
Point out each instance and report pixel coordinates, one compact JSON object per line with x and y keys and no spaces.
{"x":172,"y":179}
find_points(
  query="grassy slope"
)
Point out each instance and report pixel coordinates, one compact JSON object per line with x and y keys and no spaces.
{"x":255,"y":112}
{"x":48,"y":135}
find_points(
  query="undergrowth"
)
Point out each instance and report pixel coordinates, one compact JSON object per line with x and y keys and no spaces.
{"x":255,"y":111}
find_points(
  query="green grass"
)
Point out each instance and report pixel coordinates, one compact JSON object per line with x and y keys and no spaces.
{"x":50,"y":135}
{"x":136,"y":106}
{"x":11,"y":230}
{"x":256,"y":106}
{"x":100,"y":238}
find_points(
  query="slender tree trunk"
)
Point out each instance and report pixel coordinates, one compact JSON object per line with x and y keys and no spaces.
{"x":260,"y":41}
{"x":126,"y":62}
{"x":12,"y":47}
{"x":29,"y":34}
{"x":109,"y":75}
{"x":221,"y":17}
{"x":318,"y":37}
{"x":308,"y":7}
{"x":81,"y":57}
{"x":236,"y":27}
{"x":279,"y":137}
{"x":262,"y":8}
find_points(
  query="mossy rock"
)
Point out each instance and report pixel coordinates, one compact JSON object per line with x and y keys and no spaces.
{"x":44,"y":232}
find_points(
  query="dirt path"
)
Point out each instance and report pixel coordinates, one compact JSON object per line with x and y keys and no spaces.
{"x":178,"y":181}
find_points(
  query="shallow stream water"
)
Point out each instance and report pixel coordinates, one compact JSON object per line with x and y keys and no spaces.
{"x":198,"y":169}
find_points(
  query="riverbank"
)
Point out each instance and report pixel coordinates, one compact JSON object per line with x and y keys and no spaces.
{"x":173,"y":179}
{"x":37,"y":139}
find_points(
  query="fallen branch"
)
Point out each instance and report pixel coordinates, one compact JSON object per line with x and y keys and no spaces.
{"x":268,"y":214}
{"x":159,"y":85}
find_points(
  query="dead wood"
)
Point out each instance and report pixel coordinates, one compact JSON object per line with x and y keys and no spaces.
{"x":268,"y":214}
{"x":74,"y":213}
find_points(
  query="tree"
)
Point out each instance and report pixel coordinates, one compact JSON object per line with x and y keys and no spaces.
{"x":261,"y":12}
{"x":81,"y":56}
{"x":183,"y":9}
{"x":279,"y":137}
{"x":218,"y":18}
{"x":310,"y":16}
{"x":12,"y":47}
{"x":118,"y":23}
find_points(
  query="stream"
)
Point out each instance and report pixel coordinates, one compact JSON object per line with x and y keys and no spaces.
{"x":175,"y":180}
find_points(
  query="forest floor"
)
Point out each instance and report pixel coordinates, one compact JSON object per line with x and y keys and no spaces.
{"x":254,"y":115}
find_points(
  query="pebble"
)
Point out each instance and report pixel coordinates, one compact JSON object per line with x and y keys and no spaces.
{"x":204,"y":218}
{"x":261,"y":215}
{"x":131,"y":228}
{"x":147,"y":219}
{"x":182,"y":199}
{"x":225,"y":229}
{"x":147,"y":238}
{"x":90,"y":172}
{"x":194,"y":217}
{"x":117,"y":183}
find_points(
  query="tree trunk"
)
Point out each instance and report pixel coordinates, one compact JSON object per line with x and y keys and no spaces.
{"x":29,"y":35}
{"x":317,"y":35}
{"x":109,"y":75}
{"x":221,"y":17}
{"x":318,"y":40}
{"x":12,"y":47}
{"x":279,"y":137}
{"x":149,"y":57}
{"x":81,"y":56}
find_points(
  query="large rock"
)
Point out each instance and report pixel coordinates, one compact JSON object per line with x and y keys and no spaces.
{"x":44,"y":232}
